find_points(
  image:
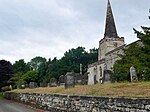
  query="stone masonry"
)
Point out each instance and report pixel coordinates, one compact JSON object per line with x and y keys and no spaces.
{"x":69,"y":103}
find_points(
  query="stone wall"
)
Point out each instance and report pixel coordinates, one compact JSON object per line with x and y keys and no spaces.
{"x":68,"y":103}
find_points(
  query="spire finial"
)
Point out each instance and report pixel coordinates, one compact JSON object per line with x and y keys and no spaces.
{"x":110,"y":28}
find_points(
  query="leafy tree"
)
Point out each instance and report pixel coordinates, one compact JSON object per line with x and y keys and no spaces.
{"x":131,"y":57}
{"x":74,"y":57}
{"x":6,"y":72}
{"x":54,"y":68}
{"x":145,"y":50}
{"x":138,"y":55}
{"x":36,"y":62}
{"x":71,"y":62}
{"x":30,"y":76}
{"x":20,"y":67}
{"x":39,"y":64}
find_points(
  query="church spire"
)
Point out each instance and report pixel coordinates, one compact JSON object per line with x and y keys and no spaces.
{"x":110,"y":28}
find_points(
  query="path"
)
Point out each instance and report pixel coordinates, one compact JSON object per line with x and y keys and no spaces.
{"x":9,"y":106}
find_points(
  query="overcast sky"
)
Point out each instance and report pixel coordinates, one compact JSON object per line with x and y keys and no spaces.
{"x":48,"y":28}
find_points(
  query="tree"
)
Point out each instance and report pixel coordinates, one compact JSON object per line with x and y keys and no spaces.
{"x":6,"y":72}
{"x":20,"y":67}
{"x":36,"y":62}
{"x":145,"y":50}
{"x":30,"y":76}
{"x":132,"y":57}
{"x":71,"y":62}
{"x":137,"y":54}
{"x":39,"y":64}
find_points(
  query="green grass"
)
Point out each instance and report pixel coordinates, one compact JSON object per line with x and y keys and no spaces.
{"x":140,"y":89}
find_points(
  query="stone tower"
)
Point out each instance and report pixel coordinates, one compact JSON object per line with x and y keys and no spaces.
{"x":111,"y":39}
{"x":109,"y":47}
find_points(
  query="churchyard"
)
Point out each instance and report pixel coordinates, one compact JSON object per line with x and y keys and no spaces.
{"x":139,"y":89}
{"x":77,"y":84}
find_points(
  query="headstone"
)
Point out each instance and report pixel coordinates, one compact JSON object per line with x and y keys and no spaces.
{"x":53,"y":82}
{"x":10,"y":87}
{"x":69,"y":80}
{"x":78,"y":79}
{"x":81,"y":69}
{"x":32,"y":85}
{"x":90,"y":79}
{"x":107,"y":76}
{"x":133,"y":74}
{"x":43,"y":84}
{"x":22,"y":86}
{"x":48,"y":85}
{"x":85,"y":79}
{"x":62,"y":80}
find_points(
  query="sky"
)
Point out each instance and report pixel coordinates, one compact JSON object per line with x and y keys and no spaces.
{"x":49,"y":28}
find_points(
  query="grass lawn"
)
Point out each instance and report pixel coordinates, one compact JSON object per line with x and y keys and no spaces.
{"x":141,"y":89}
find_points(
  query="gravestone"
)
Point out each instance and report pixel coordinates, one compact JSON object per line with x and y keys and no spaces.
{"x":107,"y":76}
{"x":85,"y":79}
{"x":53,"y":82}
{"x":23,"y":86}
{"x":43,"y":84}
{"x":10,"y":87}
{"x":133,"y":74}
{"x":32,"y":85}
{"x":78,"y":79}
{"x":90,"y":79}
{"x":48,"y":85}
{"x":69,"y":80}
{"x":62,"y":80}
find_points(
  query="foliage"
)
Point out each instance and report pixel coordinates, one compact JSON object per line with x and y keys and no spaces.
{"x":20,"y":67}
{"x":30,"y":76}
{"x":36,"y":62}
{"x":6,"y":88}
{"x":53,"y":68}
{"x":39,"y":64}
{"x":14,"y":80}
{"x":1,"y":95}
{"x":138,"y":55}
{"x":71,"y":62}
{"x":6,"y":72}
{"x":132,"y":57}
{"x":19,"y":83}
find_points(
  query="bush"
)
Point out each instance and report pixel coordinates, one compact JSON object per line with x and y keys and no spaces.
{"x":30,"y":76}
{"x":120,"y":77}
{"x":1,"y":95}
{"x":6,"y":88}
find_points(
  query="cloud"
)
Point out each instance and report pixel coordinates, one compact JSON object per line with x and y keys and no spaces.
{"x":48,"y":28}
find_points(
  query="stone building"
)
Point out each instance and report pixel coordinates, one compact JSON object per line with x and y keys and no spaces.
{"x":109,"y":47}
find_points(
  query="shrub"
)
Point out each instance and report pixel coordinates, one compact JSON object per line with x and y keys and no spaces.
{"x":6,"y":88}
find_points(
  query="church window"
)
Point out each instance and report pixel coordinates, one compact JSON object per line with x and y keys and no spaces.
{"x":100,"y":69}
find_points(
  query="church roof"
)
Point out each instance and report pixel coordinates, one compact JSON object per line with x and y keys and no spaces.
{"x":110,"y":28}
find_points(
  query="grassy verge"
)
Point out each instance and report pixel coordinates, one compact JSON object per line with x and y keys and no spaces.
{"x":141,"y":89}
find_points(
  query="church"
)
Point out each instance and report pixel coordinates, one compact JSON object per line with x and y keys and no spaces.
{"x":109,"y":47}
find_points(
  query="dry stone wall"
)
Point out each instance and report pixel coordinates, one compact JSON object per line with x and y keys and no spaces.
{"x":68,"y":103}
